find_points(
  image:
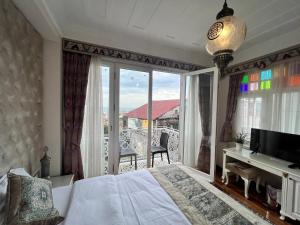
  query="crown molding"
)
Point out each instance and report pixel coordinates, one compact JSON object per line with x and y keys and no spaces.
{"x":39,"y":15}
{"x":41,"y":4}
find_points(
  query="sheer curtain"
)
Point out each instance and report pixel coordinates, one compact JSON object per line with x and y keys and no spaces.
{"x":276,"y":109}
{"x":92,"y":142}
{"x":193,"y":130}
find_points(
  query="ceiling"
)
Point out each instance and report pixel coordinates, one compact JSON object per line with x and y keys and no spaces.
{"x":179,"y":23}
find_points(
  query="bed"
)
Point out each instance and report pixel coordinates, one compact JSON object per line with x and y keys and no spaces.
{"x":172,"y":194}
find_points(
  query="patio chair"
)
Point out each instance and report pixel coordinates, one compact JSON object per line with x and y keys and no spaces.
{"x":162,"y":148}
{"x":127,"y":151}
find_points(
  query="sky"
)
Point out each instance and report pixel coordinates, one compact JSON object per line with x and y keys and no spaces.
{"x":134,"y":88}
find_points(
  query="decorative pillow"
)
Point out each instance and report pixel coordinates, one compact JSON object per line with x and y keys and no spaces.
{"x":3,"y":190}
{"x":29,"y":202}
{"x":19,"y":171}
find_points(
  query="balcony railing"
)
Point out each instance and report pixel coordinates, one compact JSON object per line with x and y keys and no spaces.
{"x":137,"y":140}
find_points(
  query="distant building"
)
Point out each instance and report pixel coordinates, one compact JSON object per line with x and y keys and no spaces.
{"x":164,"y":113}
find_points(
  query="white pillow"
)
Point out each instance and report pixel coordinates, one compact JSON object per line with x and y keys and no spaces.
{"x":20,"y":172}
{"x":3,"y":190}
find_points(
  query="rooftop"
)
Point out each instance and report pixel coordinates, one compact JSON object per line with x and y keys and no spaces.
{"x":159,"y":108}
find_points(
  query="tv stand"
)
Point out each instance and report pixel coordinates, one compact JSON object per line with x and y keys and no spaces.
{"x":290,"y":198}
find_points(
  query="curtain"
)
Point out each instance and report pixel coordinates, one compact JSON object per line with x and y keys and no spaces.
{"x":192,"y":130}
{"x":75,"y":77}
{"x":204,"y":98}
{"x":232,"y":99}
{"x":92,"y":141}
{"x":275,"y":109}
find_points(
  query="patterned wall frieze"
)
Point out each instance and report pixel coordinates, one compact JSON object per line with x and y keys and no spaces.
{"x":265,"y":61}
{"x":87,"y":48}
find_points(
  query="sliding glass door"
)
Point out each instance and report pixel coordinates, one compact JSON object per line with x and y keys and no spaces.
{"x":140,"y":104}
{"x":133,"y":117}
{"x":200,"y":101}
{"x":145,"y":105}
{"x":166,"y":116}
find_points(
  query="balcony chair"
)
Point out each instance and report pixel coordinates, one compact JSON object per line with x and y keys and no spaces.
{"x":162,"y":148}
{"x":127,"y":151}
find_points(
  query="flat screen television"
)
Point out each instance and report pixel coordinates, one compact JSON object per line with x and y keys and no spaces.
{"x":280,"y":145}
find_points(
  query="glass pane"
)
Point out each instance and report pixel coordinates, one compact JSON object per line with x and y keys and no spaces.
{"x":165,"y":116}
{"x":198,"y":121}
{"x":133,"y":121}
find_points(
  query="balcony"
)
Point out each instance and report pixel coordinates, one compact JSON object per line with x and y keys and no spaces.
{"x":137,"y":140}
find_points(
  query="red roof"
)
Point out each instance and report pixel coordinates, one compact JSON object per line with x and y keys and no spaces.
{"x":159,"y":108}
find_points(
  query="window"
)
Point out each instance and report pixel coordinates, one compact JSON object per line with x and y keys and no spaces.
{"x":270,"y":99}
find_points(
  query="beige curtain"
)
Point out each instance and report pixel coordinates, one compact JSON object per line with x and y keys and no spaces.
{"x":92,"y":142}
{"x":192,"y":130}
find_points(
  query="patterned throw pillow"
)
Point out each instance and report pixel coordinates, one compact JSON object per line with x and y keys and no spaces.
{"x":3,"y":190}
{"x":29,"y":202}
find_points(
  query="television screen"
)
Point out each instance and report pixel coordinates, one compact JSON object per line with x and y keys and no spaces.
{"x":280,"y":145}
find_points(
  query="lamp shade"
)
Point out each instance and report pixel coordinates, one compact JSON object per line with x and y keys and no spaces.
{"x":226,"y":35}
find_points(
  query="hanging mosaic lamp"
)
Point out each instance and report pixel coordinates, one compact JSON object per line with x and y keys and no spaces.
{"x":225,"y":36}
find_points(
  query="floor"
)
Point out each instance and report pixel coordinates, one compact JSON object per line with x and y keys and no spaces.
{"x":125,"y":165}
{"x":256,"y":202}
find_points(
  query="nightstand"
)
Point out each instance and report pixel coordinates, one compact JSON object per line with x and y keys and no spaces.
{"x":59,"y":181}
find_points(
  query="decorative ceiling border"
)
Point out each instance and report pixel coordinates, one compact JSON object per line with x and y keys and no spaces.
{"x":266,"y":60}
{"x":92,"y":49}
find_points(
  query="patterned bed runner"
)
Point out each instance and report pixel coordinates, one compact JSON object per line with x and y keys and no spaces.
{"x":200,"y":205}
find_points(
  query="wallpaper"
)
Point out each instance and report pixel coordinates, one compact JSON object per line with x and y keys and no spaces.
{"x":21,"y":49}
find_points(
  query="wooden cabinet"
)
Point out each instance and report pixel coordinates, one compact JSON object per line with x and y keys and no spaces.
{"x":290,"y":197}
{"x":293,"y":197}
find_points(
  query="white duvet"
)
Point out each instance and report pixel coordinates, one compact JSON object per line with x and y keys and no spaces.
{"x":130,"y":199}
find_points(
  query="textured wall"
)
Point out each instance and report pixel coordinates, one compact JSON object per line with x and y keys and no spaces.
{"x":21,"y":50}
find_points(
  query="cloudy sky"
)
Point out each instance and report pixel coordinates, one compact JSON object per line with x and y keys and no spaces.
{"x":134,"y":88}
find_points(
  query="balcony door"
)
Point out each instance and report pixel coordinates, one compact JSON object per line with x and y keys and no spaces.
{"x":144,"y":104}
{"x":199,"y":120}
{"x":131,"y":118}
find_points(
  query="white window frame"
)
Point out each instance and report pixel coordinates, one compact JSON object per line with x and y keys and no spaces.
{"x":114,"y":90}
{"x":211,"y":176}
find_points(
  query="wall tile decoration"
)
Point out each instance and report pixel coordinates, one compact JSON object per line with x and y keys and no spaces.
{"x":21,"y":51}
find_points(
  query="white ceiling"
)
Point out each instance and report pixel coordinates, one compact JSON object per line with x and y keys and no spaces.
{"x":178,"y":23}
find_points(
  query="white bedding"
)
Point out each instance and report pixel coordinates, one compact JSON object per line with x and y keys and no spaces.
{"x":61,"y":199}
{"x":132,"y":198}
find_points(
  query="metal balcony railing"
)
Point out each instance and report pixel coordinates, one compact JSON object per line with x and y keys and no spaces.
{"x":137,"y":140}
